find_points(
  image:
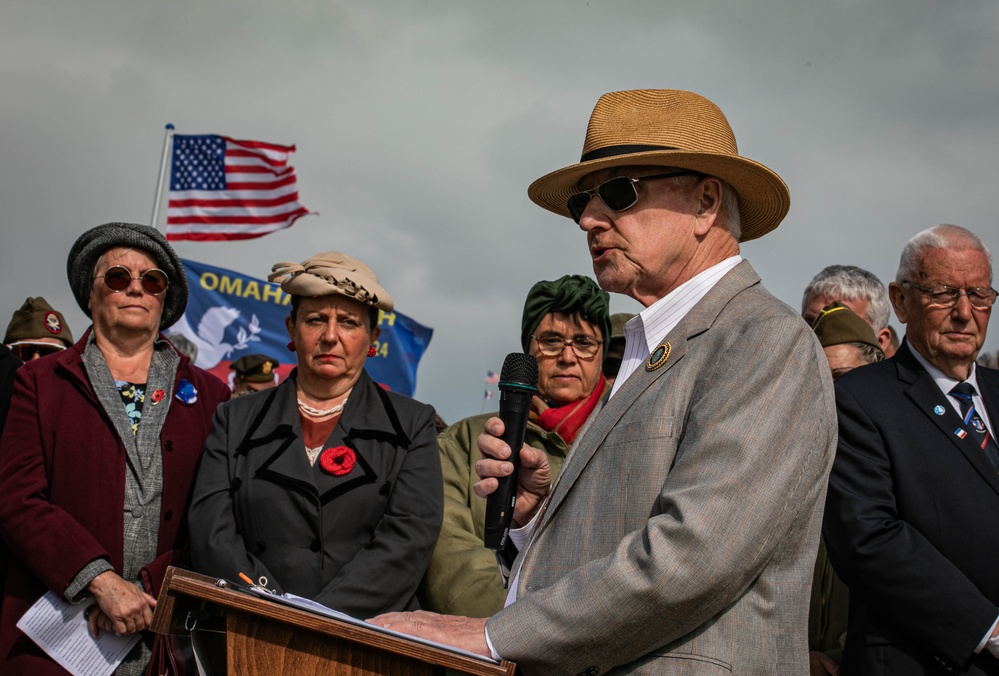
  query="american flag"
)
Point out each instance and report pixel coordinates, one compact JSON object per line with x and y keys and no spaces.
{"x":492,"y":378}
{"x":221,"y":188}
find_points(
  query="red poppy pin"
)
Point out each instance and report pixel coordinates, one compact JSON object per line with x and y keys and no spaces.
{"x":158,"y":396}
{"x":338,"y":460}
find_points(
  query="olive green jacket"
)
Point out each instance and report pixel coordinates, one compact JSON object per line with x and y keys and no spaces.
{"x":463,"y":577}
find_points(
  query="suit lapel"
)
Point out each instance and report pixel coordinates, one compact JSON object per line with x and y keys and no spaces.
{"x":698,"y":320}
{"x":988,"y":381}
{"x":367,"y":417}
{"x":286,"y":463}
{"x":922,"y":390}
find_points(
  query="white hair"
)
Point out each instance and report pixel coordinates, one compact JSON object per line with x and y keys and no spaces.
{"x":848,"y":282}
{"x":729,"y":203}
{"x":944,"y":236}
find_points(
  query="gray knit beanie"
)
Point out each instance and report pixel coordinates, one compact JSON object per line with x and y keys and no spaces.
{"x":94,"y":242}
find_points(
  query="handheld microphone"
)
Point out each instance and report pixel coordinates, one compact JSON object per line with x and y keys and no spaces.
{"x":518,"y":384}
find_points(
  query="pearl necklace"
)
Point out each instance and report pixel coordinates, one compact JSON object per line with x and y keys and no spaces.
{"x":319,"y":413}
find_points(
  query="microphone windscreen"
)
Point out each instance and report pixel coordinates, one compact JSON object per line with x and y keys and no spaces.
{"x":519,"y":369}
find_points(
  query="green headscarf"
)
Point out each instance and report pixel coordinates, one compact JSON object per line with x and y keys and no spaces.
{"x":572,"y":294}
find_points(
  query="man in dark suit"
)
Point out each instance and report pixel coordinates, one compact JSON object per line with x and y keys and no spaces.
{"x":681,"y":533}
{"x":914,"y":493}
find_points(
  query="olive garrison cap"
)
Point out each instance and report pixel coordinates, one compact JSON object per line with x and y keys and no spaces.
{"x":838,"y":324}
{"x":36,"y":319}
{"x":255,"y":368}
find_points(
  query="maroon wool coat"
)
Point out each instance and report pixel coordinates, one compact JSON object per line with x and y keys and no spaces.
{"x":62,"y":488}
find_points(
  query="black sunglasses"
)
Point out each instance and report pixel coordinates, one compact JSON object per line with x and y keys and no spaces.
{"x":618,"y":193}
{"x":118,"y":278}
{"x":28,"y":351}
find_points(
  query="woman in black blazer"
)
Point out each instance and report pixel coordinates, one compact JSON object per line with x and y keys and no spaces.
{"x":327,"y":486}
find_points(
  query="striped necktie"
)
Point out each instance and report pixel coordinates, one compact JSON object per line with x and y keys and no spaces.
{"x":964,"y":393}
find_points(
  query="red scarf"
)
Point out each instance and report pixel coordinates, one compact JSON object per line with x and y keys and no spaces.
{"x":565,"y":421}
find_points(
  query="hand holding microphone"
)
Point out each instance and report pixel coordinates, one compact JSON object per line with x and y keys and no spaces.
{"x":518,"y":384}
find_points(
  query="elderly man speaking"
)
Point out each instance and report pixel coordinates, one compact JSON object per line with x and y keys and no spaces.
{"x":681,"y":533}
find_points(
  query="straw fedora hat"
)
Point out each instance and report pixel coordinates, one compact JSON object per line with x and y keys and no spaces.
{"x":669,"y":128}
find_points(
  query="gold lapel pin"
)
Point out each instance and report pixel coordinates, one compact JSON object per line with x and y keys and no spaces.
{"x":658,"y":356}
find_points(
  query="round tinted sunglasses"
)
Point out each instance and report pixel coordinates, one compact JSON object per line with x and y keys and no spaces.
{"x":618,"y":193}
{"x":118,"y":278}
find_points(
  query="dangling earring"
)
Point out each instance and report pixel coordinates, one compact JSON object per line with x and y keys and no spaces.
{"x":291,"y":345}
{"x":372,"y":351}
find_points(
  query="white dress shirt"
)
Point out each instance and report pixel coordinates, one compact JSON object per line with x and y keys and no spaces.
{"x":645,"y":331}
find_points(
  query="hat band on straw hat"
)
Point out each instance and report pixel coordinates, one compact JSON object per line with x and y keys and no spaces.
{"x":614,"y":151}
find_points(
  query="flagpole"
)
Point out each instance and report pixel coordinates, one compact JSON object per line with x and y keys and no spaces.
{"x":167,"y":136}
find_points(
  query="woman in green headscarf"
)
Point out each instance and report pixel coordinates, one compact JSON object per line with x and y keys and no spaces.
{"x":565,"y":325}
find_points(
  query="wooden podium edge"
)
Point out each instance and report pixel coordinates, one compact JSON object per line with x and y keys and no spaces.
{"x":178,"y":581}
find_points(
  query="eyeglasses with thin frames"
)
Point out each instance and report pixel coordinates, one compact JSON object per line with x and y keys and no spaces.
{"x":980,"y":297}
{"x":618,"y":193}
{"x":584,"y":347}
{"x":118,"y":278}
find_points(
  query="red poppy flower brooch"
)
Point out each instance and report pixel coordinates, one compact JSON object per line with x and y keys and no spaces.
{"x":338,"y":460}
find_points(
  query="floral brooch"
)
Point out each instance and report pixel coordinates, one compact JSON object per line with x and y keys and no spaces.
{"x":338,"y":460}
{"x":186,"y":392}
{"x":157,"y":396}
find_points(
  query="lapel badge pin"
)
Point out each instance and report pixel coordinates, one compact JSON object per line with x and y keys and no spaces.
{"x":938,"y":409}
{"x":658,"y":356}
{"x":960,"y":434}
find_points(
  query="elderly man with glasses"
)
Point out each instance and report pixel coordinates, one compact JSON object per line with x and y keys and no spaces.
{"x":914,"y":492}
{"x":680,"y":534}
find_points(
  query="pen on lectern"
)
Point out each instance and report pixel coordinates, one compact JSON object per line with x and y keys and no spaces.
{"x":261,"y":584}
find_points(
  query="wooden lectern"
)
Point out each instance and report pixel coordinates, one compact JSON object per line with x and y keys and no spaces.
{"x":265,"y":637}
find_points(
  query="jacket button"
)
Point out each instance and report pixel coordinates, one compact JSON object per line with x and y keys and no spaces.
{"x":168,"y":515}
{"x":590,"y":671}
{"x":236,"y":483}
{"x":314,"y":546}
{"x":169,"y":445}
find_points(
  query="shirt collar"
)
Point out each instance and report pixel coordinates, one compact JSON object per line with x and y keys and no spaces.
{"x":943,"y":381}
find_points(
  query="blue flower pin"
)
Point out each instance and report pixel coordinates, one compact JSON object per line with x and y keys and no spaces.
{"x":938,"y":409}
{"x":186,"y":392}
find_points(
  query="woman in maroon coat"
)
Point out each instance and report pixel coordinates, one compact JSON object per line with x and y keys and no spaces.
{"x":100,"y":447}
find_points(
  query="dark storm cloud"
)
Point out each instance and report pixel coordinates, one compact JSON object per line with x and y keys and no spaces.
{"x":419,"y":126}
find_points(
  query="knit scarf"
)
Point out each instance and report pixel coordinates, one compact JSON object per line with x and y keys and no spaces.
{"x":567,"y":420}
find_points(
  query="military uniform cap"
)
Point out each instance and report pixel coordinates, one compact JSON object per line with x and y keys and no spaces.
{"x":36,"y":319}
{"x":838,"y":324}
{"x":255,"y":368}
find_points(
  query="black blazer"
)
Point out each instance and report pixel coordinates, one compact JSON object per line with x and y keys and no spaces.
{"x":911,"y":523}
{"x":358,"y":543}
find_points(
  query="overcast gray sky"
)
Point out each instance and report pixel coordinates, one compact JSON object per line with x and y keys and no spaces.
{"x":419,"y":126}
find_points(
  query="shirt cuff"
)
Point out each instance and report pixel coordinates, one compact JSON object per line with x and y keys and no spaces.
{"x":520,"y":536}
{"x":495,"y":655}
{"x":990,"y":642}
{"x":76,"y":591}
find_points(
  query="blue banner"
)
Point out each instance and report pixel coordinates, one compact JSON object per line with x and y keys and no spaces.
{"x":230,"y":315}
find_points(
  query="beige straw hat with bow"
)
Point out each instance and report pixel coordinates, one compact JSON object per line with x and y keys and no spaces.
{"x":332,"y":273}
{"x":669,"y":128}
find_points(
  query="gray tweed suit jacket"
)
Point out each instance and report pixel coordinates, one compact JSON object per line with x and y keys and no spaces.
{"x":681,"y":535}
